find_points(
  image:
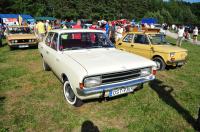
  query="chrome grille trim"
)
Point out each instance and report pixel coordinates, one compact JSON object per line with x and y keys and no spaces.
{"x":120,"y":76}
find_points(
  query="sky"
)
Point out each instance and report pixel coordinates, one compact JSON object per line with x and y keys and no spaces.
{"x":192,"y":1}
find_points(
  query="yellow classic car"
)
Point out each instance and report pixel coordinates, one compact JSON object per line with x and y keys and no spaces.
{"x":20,"y":37}
{"x":153,"y":45}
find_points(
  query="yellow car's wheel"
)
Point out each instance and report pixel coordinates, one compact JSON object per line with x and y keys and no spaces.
{"x":160,"y":63}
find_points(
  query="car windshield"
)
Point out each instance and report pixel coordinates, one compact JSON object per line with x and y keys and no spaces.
{"x":157,"y":39}
{"x":19,"y":30}
{"x":88,"y":40}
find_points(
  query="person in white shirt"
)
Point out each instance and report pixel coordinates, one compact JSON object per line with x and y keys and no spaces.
{"x":180,"y":36}
{"x":195,"y":34}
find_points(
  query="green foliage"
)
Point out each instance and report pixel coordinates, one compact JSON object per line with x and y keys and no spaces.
{"x":173,"y":11}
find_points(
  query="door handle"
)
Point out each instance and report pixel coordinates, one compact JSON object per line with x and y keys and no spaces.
{"x":47,"y":52}
{"x":120,"y":44}
{"x":132,"y":45}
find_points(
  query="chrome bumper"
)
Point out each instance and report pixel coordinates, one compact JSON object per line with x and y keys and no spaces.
{"x":104,"y":88}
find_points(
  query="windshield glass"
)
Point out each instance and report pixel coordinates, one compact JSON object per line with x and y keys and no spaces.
{"x":73,"y":41}
{"x":157,"y":39}
{"x":19,"y":30}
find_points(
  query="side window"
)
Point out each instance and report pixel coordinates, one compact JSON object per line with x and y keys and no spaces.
{"x":142,"y":39}
{"x":49,"y":38}
{"x":54,"y":41}
{"x":128,"y":38}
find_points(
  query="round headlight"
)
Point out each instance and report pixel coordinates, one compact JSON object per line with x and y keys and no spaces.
{"x":92,"y":81}
{"x":172,"y":54}
{"x":145,"y":71}
{"x":30,"y":40}
{"x":15,"y":41}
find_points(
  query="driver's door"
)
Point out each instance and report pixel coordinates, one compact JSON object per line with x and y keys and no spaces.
{"x":126,"y":43}
{"x":141,"y":45}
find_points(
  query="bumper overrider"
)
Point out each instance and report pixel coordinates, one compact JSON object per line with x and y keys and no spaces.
{"x":109,"y":87}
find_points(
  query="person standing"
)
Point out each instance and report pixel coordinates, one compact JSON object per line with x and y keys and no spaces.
{"x":77,"y":26}
{"x":40,"y":27}
{"x":180,"y":36}
{"x":195,"y":34}
{"x":111,"y":32}
{"x":1,"y":34}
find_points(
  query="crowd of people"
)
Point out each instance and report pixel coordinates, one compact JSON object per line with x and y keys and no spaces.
{"x":114,"y":29}
{"x":183,"y":33}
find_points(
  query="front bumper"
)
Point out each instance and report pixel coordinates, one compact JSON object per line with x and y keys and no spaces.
{"x":23,"y":45}
{"x":109,"y":87}
{"x":176,"y":63}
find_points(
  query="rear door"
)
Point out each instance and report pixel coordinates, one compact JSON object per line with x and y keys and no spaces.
{"x":141,"y":45}
{"x":44,"y":47}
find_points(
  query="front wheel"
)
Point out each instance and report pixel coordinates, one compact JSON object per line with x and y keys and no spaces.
{"x":160,"y":63}
{"x":70,"y":96}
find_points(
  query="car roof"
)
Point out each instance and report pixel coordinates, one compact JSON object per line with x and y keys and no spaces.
{"x":76,"y":30}
{"x":143,"y":32}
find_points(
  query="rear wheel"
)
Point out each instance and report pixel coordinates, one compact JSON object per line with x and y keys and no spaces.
{"x":70,"y":96}
{"x":45,"y":66}
{"x":160,"y":63}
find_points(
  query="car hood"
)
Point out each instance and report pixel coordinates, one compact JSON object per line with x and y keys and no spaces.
{"x":21,"y":36}
{"x":168,"y":48}
{"x":107,"y":60}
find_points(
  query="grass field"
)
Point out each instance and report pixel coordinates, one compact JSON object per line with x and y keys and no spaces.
{"x":32,"y":100}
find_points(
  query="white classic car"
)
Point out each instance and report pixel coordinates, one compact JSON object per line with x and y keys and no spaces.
{"x":89,"y":65}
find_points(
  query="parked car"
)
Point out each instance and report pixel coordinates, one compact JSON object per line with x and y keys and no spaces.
{"x":89,"y":65}
{"x":153,"y":46}
{"x":20,"y":37}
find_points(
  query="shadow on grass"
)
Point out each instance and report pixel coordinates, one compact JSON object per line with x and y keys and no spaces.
{"x":89,"y":126}
{"x":2,"y":101}
{"x":164,"y":93}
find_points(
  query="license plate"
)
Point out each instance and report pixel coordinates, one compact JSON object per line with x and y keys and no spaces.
{"x":180,"y":63}
{"x":121,"y":91}
{"x":23,"y":46}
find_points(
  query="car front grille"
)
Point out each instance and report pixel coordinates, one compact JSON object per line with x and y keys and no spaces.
{"x":120,"y":76}
{"x":23,"y":41}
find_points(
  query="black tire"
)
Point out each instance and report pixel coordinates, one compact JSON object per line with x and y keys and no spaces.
{"x":45,"y":66}
{"x":160,"y":63}
{"x":11,"y":48}
{"x":69,"y":95}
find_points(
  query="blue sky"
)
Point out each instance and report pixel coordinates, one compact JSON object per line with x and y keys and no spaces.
{"x":192,"y":0}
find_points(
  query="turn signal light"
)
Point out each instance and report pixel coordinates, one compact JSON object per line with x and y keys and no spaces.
{"x":172,"y":59}
{"x":154,"y":72}
{"x":81,"y":85}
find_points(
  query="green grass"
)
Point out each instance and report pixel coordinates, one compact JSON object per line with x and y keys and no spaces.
{"x":32,"y":100}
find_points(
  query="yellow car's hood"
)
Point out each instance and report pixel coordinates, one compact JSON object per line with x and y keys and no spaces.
{"x":21,"y":36}
{"x":168,"y":48}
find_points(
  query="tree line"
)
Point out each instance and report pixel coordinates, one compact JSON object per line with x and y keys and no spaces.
{"x":171,"y":11}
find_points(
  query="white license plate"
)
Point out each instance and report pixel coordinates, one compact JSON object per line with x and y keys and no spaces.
{"x":120,"y":91}
{"x":23,"y":46}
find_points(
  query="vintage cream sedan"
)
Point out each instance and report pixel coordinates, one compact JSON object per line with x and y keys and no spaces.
{"x":89,"y":66}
